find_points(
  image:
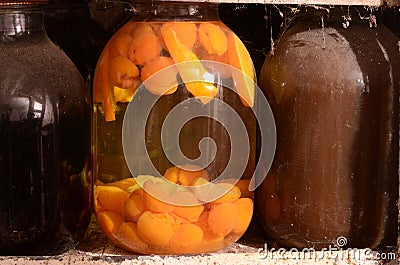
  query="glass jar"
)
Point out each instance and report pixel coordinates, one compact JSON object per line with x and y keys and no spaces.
{"x":163,"y":89}
{"x":333,"y":85}
{"x":45,"y":179}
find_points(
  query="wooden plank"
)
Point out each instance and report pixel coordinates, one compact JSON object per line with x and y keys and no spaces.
{"x":96,"y":249}
{"x":306,"y":2}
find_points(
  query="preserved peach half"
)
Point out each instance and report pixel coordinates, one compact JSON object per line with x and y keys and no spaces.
{"x":210,"y":241}
{"x":164,"y":82}
{"x":244,"y":208}
{"x":134,"y":207}
{"x":190,"y":68}
{"x":156,"y":228}
{"x":129,"y":239}
{"x":120,"y":45}
{"x":122,"y":68}
{"x":123,"y":184}
{"x":186,"y":238}
{"x":186,"y":32}
{"x":222,"y":219}
{"x":244,"y":78}
{"x":186,"y":177}
{"x":212,"y":38}
{"x":111,"y":198}
{"x":109,"y":222}
{"x":155,"y":196}
{"x":144,"y":47}
{"x":179,"y":219}
{"x":190,"y":213}
{"x":171,"y":174}
{"x":141,"y":29}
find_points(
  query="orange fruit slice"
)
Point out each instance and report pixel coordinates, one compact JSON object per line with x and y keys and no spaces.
{"x":240,"y":58}
{"x":101,"y":85}
{"x":190,"y":68}
{"x":213,"y":38}
{"x":186,"y":32}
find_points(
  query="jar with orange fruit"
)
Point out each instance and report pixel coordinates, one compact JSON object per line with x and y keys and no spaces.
{"x":174,"y":131}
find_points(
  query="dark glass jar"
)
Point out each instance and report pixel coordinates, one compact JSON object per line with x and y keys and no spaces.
{"x":45,"y":179}
{"x":333,"y":84}
{"x":160,"y":56}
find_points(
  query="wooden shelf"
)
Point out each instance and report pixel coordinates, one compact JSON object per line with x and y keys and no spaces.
{"x":373,"y":3}
{"x":96,"y":249}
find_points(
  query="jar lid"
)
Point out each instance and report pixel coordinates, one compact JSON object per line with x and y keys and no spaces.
{"x":23,"y":2}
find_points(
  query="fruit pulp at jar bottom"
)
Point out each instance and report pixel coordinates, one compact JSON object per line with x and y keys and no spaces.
{"x":42,"y":176}
{"x":114,"y":179}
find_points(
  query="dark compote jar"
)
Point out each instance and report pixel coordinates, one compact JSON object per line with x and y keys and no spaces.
{"x":333,"y":83}
{"x":45,"y":179}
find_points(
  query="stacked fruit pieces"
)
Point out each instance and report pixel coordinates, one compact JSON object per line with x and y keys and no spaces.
{"x":140,"y":220}
{"x":139,"y":50}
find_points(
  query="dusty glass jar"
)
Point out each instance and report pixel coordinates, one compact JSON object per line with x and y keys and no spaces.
{"x":334,"y":91}
{"x":45,"y":181}
{"x":160,"y":205}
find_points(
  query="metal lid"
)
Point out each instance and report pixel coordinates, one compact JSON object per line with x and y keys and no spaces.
{"x":22,"y":2}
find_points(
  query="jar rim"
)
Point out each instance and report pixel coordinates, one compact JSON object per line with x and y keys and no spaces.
{"x":23,"y":2}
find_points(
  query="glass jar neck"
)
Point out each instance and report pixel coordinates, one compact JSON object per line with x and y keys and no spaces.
{"x":175,"y":11}
{"x":21,"y":21}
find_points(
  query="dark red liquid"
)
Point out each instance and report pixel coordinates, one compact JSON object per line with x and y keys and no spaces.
{"x":43,"y":170}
